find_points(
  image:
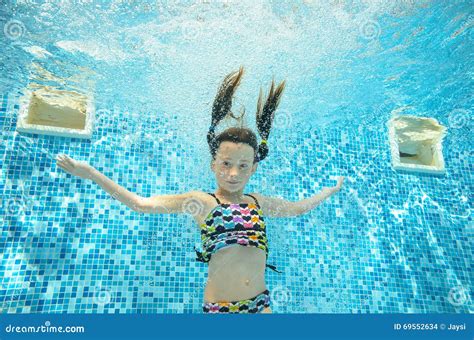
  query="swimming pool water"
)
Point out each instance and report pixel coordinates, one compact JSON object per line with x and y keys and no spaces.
{"x":388,"y":242}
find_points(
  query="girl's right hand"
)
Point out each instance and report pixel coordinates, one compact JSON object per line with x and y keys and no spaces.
{"x":76,"y":168}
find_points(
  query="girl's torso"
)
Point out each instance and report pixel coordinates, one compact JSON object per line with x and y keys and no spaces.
{"x":235,"y":272}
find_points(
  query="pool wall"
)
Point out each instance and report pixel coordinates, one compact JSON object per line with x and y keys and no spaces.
{"x":388,"y":242}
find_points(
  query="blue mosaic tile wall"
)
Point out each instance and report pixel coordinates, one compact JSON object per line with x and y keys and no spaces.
{"x":389,"y":242}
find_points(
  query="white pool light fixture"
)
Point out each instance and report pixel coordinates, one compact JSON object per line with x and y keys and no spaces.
{"x":50,"y":111}
{"x":416,"y":144}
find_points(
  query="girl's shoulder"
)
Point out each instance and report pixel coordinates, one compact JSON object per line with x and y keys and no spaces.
{"x":260,"y":198}
{"x":256,"y":195}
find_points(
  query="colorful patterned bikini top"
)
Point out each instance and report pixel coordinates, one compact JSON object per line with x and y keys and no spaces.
{"x":232,"y":223}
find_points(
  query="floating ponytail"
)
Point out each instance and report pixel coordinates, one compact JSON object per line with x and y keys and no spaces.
{"x":264,"y":116}
{"x":222,"y":105}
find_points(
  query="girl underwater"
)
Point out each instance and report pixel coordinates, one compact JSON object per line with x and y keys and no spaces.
{"x":236,"y":275}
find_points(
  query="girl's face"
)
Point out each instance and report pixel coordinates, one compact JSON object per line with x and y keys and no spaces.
{"x":233,"y":165}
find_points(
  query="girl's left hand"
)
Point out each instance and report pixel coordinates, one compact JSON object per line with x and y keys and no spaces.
{"x":338,"y":186}
{"x":332,"y":190}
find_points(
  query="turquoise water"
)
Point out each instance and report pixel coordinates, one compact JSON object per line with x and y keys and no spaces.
{"x":388,"y":242}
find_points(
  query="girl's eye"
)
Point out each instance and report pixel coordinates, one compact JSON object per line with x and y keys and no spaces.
{"x":244,"y":165}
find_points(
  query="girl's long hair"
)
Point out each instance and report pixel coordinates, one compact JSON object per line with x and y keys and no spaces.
{"x":264,"y":116}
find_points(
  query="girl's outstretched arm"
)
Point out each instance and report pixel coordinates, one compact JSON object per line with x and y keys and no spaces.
{"x":161,"y":204}
{"x":277,"y":207}
{"x":309,"y":203}
{"x":84,"y":170}
{"x":171,"y":204}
